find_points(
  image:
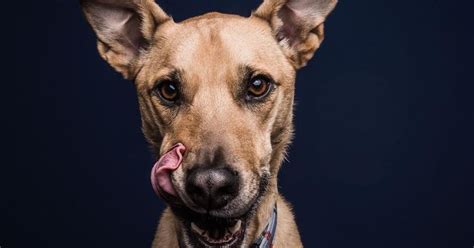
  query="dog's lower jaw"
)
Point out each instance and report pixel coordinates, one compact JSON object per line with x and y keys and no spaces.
{"x":170,"y":230}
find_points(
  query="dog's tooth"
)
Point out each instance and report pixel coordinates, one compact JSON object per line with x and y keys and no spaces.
{"x":195,"y":228}
{"x":203,"y":233}
{"x":206,"y":236}
{"x":236,"y":227}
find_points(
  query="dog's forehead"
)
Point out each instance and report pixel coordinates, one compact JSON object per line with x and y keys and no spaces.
{"x":217,"y":43}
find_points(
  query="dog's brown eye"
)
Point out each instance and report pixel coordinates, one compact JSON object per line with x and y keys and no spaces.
{"x":168,"y":91}
{"x":258,"y":87}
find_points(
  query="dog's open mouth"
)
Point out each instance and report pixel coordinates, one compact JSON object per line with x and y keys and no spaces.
{"x":204,"y":230}
{"x":220,"y":233}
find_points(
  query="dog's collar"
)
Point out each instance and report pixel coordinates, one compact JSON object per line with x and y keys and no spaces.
{"x":265,"y":240}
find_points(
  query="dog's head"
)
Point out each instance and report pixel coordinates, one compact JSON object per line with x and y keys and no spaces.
{"x":223,"y":85}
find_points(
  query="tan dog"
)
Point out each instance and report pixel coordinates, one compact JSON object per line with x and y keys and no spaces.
{"x":223,"y":86}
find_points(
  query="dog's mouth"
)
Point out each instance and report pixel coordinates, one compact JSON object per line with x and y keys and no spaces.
{"x":204,"y":230}
{"x":220,"y":233}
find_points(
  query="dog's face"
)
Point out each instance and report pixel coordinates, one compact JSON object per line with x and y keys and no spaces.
{"x":216,"y":92}
{"x":223,"y":86}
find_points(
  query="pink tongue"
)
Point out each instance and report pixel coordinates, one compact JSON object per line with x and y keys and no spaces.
{"x":161,"y":172}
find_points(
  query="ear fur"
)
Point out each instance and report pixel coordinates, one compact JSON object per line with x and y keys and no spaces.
{"x":298,"y":25}
{"x":124,"y":28}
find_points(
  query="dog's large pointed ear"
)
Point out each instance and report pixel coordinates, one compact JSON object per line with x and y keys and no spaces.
{"x":123,"y":28}
{"x":298,"y":25}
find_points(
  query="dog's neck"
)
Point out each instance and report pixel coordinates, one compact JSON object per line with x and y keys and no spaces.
{"x":268,"y":201}
{"x":263,"y":213}
{"x":266,"y":237}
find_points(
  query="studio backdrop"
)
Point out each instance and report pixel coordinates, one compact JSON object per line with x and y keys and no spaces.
{"x":383,"y":152}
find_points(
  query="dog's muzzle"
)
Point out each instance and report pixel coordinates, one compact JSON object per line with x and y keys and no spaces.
{"x":210,"y":187}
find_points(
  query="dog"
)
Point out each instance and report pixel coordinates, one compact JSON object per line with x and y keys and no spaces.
{"x":216,"y":95}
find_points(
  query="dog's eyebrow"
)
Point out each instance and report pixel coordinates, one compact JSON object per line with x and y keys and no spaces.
{"x":176,"y":76}
{"x":248,"y":71}
{"x":172,"y":74}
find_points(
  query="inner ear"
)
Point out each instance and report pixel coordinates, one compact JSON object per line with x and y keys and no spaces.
{"x":125,"y":22}
{"x":124,"y":28}
{"x":297,"y":25}
{"x":291,"y":26}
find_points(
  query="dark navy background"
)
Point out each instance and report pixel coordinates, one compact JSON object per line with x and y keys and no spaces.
{"x":383,"y":154}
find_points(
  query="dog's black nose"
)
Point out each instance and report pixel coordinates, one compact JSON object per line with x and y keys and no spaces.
{"x":212,"y":188}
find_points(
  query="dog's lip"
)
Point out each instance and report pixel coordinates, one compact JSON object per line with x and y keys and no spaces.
{"x":210,"y":230}
{"x":227,"y":236}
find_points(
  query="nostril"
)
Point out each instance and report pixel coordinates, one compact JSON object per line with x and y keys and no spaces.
{"x":227,"y":188}
{"x":196,"y":190}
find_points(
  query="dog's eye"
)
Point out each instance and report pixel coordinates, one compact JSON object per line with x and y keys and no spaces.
{"x":167,"y":91}
{"x":258,"y":87}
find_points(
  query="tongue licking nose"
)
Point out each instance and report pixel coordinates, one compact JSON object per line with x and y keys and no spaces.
{"x":161,"y":172}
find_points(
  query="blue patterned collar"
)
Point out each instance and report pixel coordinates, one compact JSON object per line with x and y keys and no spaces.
{"x":265,"y":240}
